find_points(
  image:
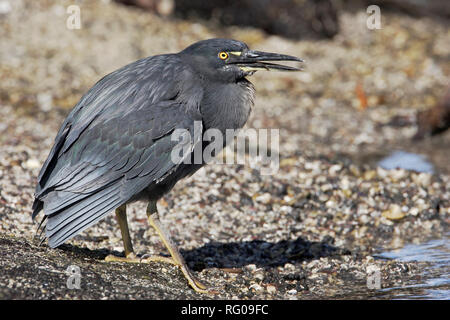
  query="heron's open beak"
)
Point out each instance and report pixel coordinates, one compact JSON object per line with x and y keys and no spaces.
{"x":251,"y":60}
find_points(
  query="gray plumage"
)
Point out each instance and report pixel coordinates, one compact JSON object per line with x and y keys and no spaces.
{"x":115,"y":145}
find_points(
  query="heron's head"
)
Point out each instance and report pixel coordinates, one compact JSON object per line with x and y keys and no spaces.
{"x":230,"y":60}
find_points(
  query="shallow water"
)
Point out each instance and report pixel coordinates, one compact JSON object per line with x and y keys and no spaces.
{"x":407,"y":161}
{"x":435,"y":280}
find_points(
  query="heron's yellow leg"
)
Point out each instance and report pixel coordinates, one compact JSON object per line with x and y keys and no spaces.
{"x":121,"y":216}
{"x":176,"y":258}
{"x":130,"y":256}
{"x":153,"y":219}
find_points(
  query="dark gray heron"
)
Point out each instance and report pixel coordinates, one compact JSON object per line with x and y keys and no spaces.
{"x":115,"y":145}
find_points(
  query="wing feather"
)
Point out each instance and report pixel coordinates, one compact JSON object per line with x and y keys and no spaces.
{"x":114,"y":144}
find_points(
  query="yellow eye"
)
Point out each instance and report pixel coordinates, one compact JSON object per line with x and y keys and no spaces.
{"x":223,"y":55}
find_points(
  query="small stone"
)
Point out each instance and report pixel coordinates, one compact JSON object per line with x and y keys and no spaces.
{"x":364,"y":219}
{"x":423,"y":179}
{"x":251,"y":267}
{"x":394,"y":212}
{"x":264,"y":198}
{"x":255,"y":287}
{"x":399,"y":174}
{"x":32,"y":164}
{"x":289,"y":266}
{"x":335,"y":169}
{"x":292,"y":292}
{"x":414,"y":212}
{"x":369,"y":175}
{"x":271,"y":289}
{"x":259,"y":276}
{"x":165,"y":7}
{"x":288,"y":162}
{"x":330,"y":204}
{"x":45,"y":101}
{"x":347,"y":192}
{"x":5,"y":7}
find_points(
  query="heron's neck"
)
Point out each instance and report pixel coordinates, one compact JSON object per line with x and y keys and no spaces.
{"x":227,"y":105}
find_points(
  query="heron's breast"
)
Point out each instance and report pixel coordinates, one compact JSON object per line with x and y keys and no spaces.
{"x":228,"y":106}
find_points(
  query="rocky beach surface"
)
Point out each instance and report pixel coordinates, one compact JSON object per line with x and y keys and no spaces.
{"x":311,"y":231}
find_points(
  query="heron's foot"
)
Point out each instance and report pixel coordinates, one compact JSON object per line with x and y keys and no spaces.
{"x":146,"y":258}
{"x":196,"y":284}
{"x":131,"y":258}
{"x":153,"y":219}
{"x":200,"y":287}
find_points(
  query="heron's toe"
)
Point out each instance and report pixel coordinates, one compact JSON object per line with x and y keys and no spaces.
{"x":130,"y":258}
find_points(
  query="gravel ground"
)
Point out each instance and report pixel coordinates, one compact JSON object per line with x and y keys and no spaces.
{"x":309,"y":231}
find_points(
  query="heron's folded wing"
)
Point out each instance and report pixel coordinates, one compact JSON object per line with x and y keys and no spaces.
{"x":152,"y":80}
{"x":111,"y":162}
{"x":113,"y":144}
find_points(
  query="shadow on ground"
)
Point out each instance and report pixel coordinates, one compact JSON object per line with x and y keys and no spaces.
{"x":239,"y":254}
{"x":261,"y":253}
